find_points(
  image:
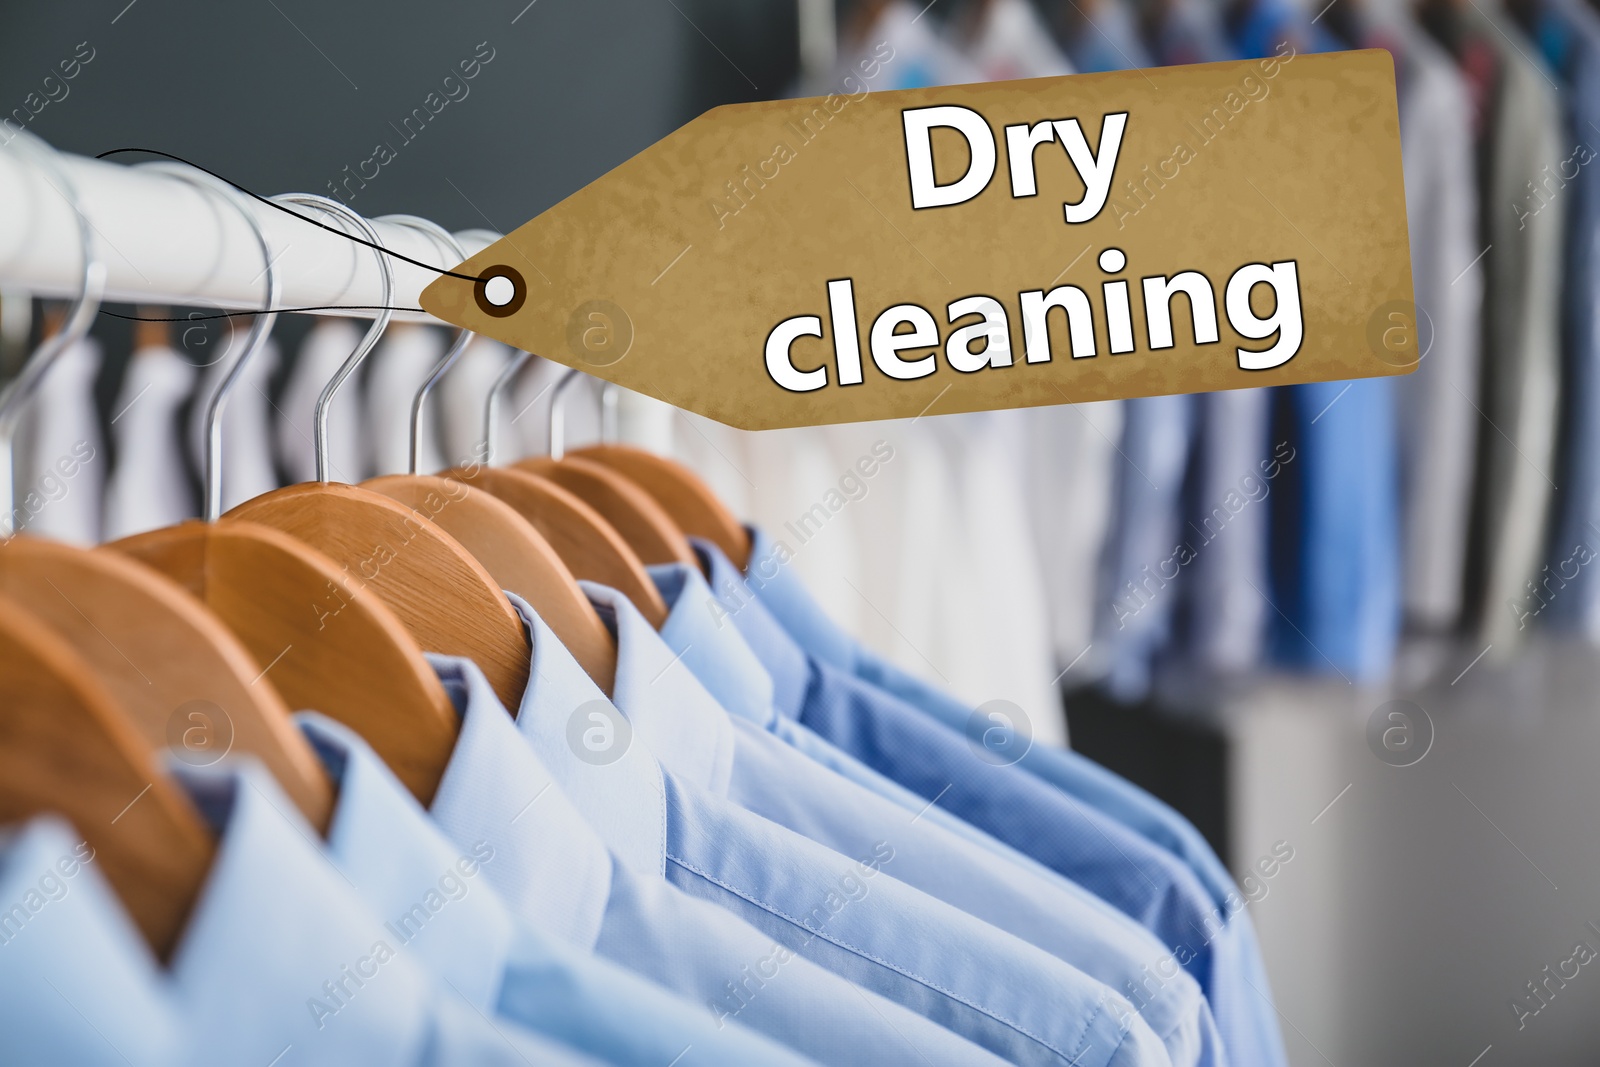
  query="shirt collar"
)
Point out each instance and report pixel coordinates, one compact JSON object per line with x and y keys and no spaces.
{"x":279,"y":952}
{"x":782,"y":593}
{"x":587,"y":745}
{"x":682,"y":725}
{"x":433,"y":896}
{"x":714,"y":654}
{"x":549,"y":866}
{"x":784,"y":660}
{"x":63,"y":924}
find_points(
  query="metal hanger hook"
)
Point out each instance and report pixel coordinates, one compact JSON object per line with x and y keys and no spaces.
{"x":255,"y":339}
{"x":374,"y":332}
{"x":90,"y":291}
{"x":491,"y":406}
{"x":446,"y":240}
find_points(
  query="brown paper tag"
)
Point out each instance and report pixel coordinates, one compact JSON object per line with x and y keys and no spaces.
{"x":885,"y":255}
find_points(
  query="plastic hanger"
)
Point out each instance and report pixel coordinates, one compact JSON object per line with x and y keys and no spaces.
{"x":325,"y":642}
{"x":589,"y":546}
{"x":515,"y":554}
{"x":441,"y":593}
{"x":65,"y":744}
{"x":631,"y":511}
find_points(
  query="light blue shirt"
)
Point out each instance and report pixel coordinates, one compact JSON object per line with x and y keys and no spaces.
{"x":846,"y":911}
{"x":78,"y":984}
{"x":774,"y":595}
{"x":497,"y":789}
{"x":281,"y":957}
{"x":777,"y":781}
{"x":438,"y":903}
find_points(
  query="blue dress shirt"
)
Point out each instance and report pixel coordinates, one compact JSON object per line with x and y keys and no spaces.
{"x":780,"y":783}
{"x":1161,"y":872}
{"x":497,"y":789}
{"x":845,"y":911}
{"x":439,"y":905}
{"x":78,"y":984}
{"x":281,"y":957}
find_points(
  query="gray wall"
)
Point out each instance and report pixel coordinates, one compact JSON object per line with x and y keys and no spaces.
{"x":281,"y":95}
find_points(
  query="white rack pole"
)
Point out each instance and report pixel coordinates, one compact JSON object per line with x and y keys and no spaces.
{"x":166,"y":242}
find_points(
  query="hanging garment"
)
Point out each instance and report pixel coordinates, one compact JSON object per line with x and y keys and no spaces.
{"x":1142,"y":558}
{"x":1568,"y":588}
{"x":1101,"y":35}
{"x":461,"y":397}
{"x":1009,"y":624}
{"x":78,"y":984}
{"x":1243,"y":1009}
{"x":779,"y":782}
{"x":324,"y":350}
{"x":1006,"y":39}
{"x":150,"y":486}
{"x":272,"y":899}
{"x":1438,"y":435}
{"x":247,"y":464}
{"x":1522,"y":358}
{"x":1223,"y":613}
{"x":1189,"y":31}
{"x":553,"y":872}
{"x":905,"y":52}
{"x":1221,"y":624}
{"x":1005,"y":995}
{"x":404,"y":359}
{"x":62,"y":473}
{"x":1336,"y":581}
{"x":446,"y":914}
{"x":1071,"y":471}
{"x":1335,"y":532}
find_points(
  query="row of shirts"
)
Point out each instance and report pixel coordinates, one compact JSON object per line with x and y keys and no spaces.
{"x":769,"y":846}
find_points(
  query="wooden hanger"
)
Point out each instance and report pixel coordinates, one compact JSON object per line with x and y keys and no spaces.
{"x":643,"y":523}
{"x":441,"y":593}
{"x":324,"y":641}
{"x":586,"y":543}
{"x":327,"y":643}
{"x":166,"y":659}
{"x":694,"y":508}
{"x":67,"y":747}
{"x":518,"y":557}
{"x":515,"y":554}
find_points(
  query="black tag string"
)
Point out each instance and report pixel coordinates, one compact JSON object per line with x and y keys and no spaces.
{"x":303,"y":218}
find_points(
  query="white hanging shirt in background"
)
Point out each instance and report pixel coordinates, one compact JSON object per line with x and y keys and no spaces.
{"x":62,"y":475}
{"x":1011,"y":41}
{"x":326,"y":347}
{"x":403,"y":360}
{"x":1007,"y":632}
{"x":1438,"y":435}
{"x":461,"y":396}
{"x":150,"y":486}
{"x":247,"y":468}
{"x":1071,"y":465}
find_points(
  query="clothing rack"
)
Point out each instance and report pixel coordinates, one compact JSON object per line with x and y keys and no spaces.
{"x":167,"y":241}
